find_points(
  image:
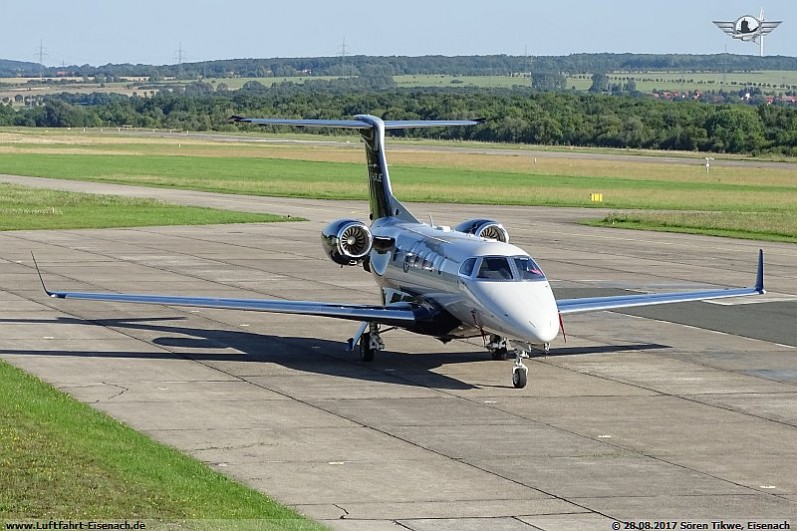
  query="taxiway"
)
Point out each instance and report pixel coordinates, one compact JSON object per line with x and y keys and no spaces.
{"x":681,"y":412}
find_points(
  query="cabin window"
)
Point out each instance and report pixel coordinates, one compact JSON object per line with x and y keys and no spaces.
{"x":466,"y":269}
{"x":437,"y":265}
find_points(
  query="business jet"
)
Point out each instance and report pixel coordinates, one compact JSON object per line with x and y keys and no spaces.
{"x":448,"y":283}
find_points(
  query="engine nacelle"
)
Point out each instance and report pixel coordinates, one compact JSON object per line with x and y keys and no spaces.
{"x":484,"y":228}
{"x":347,"y":241}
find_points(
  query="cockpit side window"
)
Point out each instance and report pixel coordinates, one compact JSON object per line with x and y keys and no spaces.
{"x":495,"y":268}
{"x":528,"y":268}
{"x":466,"y":269}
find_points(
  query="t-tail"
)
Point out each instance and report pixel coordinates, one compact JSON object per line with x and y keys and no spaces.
{"x":372,"y":130}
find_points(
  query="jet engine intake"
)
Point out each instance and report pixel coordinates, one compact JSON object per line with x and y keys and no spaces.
{"x":347,"y":241}
{"x":484,"y":228}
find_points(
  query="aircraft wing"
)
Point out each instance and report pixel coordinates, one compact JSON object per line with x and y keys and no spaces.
{"x":388,"y":315}
{"x":395,"y":315}
{"x":595,"y":304}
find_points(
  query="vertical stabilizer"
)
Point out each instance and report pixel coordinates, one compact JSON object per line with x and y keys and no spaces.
{"x":383,"y":203}
{"x":372,"y":129}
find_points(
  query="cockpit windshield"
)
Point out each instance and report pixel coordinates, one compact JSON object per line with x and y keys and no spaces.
{"x":502,"y":269}
{"x":528,"y":268}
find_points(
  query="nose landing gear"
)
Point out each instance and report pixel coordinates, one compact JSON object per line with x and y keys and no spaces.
{"x":520,"y":372}
{"x":519,"y":375}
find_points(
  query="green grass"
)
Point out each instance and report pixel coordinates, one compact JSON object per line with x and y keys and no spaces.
{"x":236,"y":83}
{"x":770,"y":81}
{"x":62,"y":459}
{"x":341,"y":180}
{"x":429,"y":80}
{"x":702,"y":81}
{"x":770,"y":226}
{"x":25,"y":208}
{"x":336,"y":172}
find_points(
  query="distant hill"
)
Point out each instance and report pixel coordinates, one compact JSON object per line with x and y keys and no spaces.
{"x":492,"y":65}
{"x":10,"y":68}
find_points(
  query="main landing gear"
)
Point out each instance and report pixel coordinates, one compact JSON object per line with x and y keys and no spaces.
{"x":497,"y":347}
{"x":370,"y":343}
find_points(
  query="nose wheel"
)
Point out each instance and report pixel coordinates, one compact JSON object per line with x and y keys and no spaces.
{"x":520,"y":372}
{"x":520,"y":376}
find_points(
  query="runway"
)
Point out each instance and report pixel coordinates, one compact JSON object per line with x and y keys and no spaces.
{"x":679,"y":413}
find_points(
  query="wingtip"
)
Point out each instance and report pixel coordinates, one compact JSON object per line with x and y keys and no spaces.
{"x":38,"y":272}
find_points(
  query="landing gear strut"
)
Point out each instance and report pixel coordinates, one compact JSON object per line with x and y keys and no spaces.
{"x":370,"y":342}
{"x":497,"y":347}
{"x":520,"y":372}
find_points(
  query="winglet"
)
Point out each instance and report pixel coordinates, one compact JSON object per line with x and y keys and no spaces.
{"x":36,"y":265}
{"x":759,"y":278}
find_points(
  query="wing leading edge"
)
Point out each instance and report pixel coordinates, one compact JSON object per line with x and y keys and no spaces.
{"x":398,"y":315}
{"x":595,"y":304}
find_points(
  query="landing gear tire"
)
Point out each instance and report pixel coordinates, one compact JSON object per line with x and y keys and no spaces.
{"x":366,"y":352}
{"x":498,"y":353}
{"x":519,"y":377}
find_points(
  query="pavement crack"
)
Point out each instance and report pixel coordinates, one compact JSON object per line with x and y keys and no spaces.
{"x":345,"y":512}
{"x":233,"y":447}
{"x":122,"y":390}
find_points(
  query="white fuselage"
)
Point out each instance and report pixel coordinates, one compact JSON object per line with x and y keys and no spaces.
{"x":426,"y":265}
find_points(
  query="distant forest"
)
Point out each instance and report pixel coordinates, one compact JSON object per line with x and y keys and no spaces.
{"x":624,"y":119}
{"x":399,"y":65}
{"x":519,"y":115}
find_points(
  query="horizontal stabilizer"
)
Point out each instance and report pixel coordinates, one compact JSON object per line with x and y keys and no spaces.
{"x":356,"y":123}
{"x":372,"y":131}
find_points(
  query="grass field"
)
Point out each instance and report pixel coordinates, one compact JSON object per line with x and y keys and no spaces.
{"x":770,"y":81}
{"x":421,"y":80}
{"x":436,"y":177}
{"x":775,"y":79}
{"x":60,"y":459}
{"x":336,"y":172}
{"x":23,"y":208}
{"x":750,"y":225}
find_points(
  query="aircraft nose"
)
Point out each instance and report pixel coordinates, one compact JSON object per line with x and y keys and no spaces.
{"x":524,"y":311}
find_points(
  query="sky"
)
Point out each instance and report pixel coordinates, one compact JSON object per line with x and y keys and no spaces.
{"x":99,"y":32}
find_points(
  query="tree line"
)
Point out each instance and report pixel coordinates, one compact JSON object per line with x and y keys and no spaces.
{"x":484,"y":65}
{"x":518,"y":115}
